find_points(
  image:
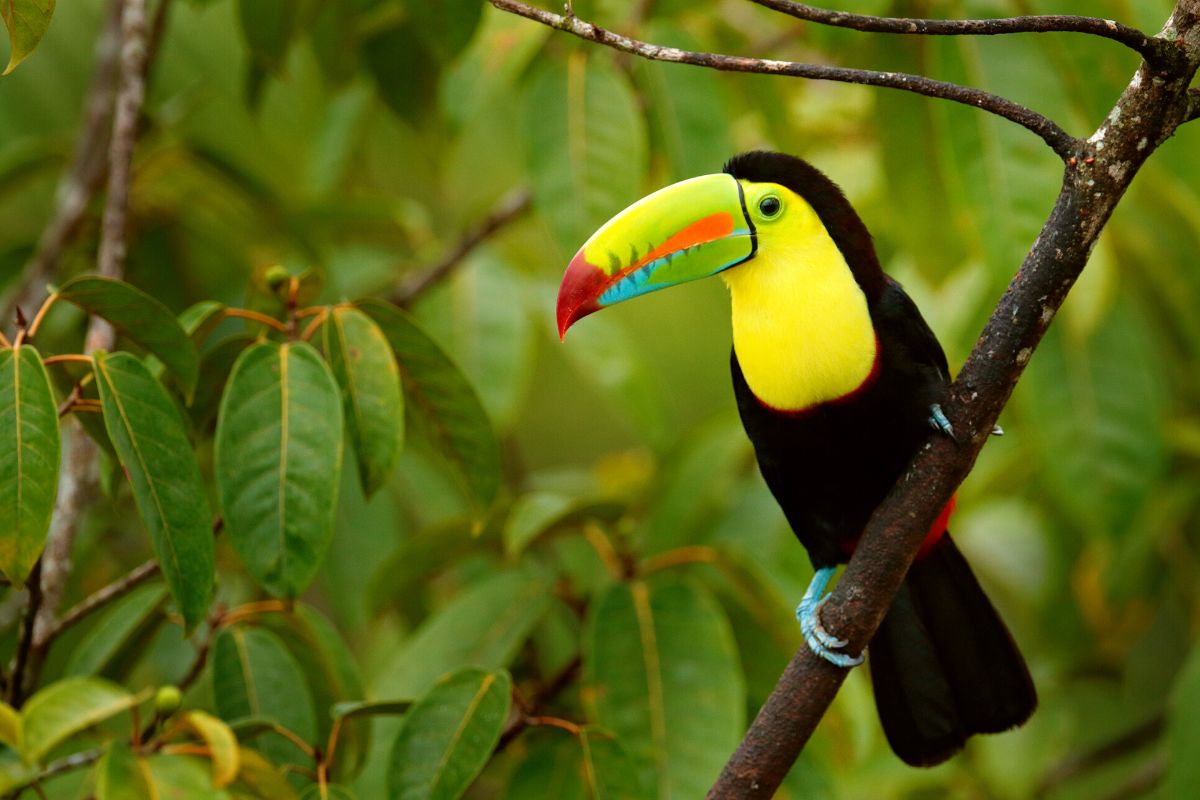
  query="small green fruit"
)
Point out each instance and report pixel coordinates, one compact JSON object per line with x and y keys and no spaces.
{"x":167,"y":700}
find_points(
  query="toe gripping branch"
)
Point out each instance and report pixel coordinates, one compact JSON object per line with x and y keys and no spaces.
{"x":821,"y":641}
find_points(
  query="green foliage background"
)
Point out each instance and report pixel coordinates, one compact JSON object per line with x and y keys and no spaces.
{"x":361,"y":139}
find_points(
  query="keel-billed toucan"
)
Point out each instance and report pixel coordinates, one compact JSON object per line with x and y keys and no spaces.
{"x":837,"y":378}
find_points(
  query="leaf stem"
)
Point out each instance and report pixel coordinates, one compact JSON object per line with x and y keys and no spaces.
{"x":316,"y":323}
{"x":255,"y":316}
{"x":41,"y":315}
{"x":67,"y":358}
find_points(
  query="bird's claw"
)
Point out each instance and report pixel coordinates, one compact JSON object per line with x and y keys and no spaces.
{"x":938,"y":420}
{"x":819,"y":640}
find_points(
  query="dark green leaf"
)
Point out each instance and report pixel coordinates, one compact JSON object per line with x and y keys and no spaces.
{"x":448,"y":736}
{"x":663,"y":674}
{"x":149,"y":437}
{"x":140,"y":317}
{"x":124,"y":627}
{"x":445,"y":399}
{"x":332,"y":791}
{"x":121,"y":775}
{"x":365,"y":369}
{"x":586,"y":147}
{"x":278,"y":459}
{"x":29,"y":456}
{"x":371,"y":708}
{"x":403,"y":68}
{"x":65,"y":708}
{"x":27,"y":21}
{"x":482,"y":627}
{"x":591,"y":767}
{"x":254,"y":675}
{"x":1183,"y":731}
{"x":215,"y":365}
{"x":447,"y":25}
{"x":267,"y":26}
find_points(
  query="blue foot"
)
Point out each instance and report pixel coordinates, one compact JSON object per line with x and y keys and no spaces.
{"x":821,"y":641}
{"x":938,"y":420}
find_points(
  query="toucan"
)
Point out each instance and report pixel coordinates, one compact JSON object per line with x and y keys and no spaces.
{"x":837,"y":378}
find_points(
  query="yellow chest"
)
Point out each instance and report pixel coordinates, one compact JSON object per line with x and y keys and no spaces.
{"x":801,"y":328}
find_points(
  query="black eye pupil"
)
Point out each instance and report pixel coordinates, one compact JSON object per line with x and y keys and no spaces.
{"x":769,"y":206}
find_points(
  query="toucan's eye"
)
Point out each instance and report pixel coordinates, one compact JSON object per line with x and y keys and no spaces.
{"x":769,"y":206}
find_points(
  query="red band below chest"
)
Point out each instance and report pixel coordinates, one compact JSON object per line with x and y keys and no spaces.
{"x":936,"y":532}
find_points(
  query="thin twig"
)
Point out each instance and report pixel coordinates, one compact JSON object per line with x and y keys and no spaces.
{"x":510,"y":208}
{"x":67,"y":358}
{"x":255,"y":316}
{"x":4,"y":342}
{"x":1059,"y":140}
{"x":1141,"y":782}
{"x":1148,"y":47}
{"x":101,"y":597}
{"x":16,"y":684}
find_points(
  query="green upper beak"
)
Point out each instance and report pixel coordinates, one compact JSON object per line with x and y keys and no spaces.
{"x":689,"y":230}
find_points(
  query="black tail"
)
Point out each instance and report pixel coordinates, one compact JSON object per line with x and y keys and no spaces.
{"x":943,"y":663}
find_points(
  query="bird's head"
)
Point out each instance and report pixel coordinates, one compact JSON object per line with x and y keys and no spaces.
{"x":760,"y":203}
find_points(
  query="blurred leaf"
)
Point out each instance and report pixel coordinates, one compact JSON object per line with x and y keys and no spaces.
{"x":10,"y":726}
{"x":586,"y":140}
{"x":663,"y":674}
{"x":278,"y":457}
{"x":254,"y":675}
{"x":27,"y":21}
{"x":483,"y":626}
{"x":592,"y":766}
{"x":370,"y":708}
{"x":150,"y":440}
{"x":29,"y":456}
{"x":404,"y":69}
{"x":120,"y":775}
{"x":1183,"y":731}
{"x":221,"y":743}
{"x":332,"y":791}
{"x":686,"y":107}
{"x":14,"y":772}
{"x":123,"y":627}
{"x":261,"y":778}
{"x":1102,"y":458}
{"x":365,"y":369}
{"x":446,"y":400}
{"x":140,"y":317}
{"x":66,"y":707}
{"x":530,"y":515}
{"x":447,"y":25}
{"x":448,"y":736}
{"x":480,"y":317}
{"x":267,"y":26}
{"x":199,"y":319}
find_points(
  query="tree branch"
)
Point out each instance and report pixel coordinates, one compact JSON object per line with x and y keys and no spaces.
{"x":511,"y":207}
{"x":1151,"y":49}
{"x":1059,"y":140}
{"x":1193,"y":105}
{"x":88,"y":168}
{"x":1148,"y":112}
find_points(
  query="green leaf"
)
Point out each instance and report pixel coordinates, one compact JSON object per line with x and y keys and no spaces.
{"x":10,"y":726}
{"x":27,"y":21}
{"x":65,"y":708}
{"x":482,"y":627}
{"x":449,"y":735}
{"x":254,"y":676}
{"x":261,"y":778}
{"x":267,"y":26}
{"x":447,"y":25}
{"x":444,"y":397}
{"x":140,"y":317}
{"x":125,"y":626}
{"x":371,"y":708}
{"x":215,"y":365}
{"x":332,"y":791}
{"x":1183,"y":731}
{"x":222,"y":745}
{"x":121,"y":775}
{"x":404,"y":70}
{"x":662,"y":673}
{"x":153,"y":447}
{"x":589,"y":767}
{"x":586,"y":141}
{"x":29,"y":456}
{"x":365,"y":369}
{"x":686,"y":107}
{"x":278,"y":458}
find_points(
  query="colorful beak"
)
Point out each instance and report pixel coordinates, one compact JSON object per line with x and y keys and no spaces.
{"x":689,"y":230}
